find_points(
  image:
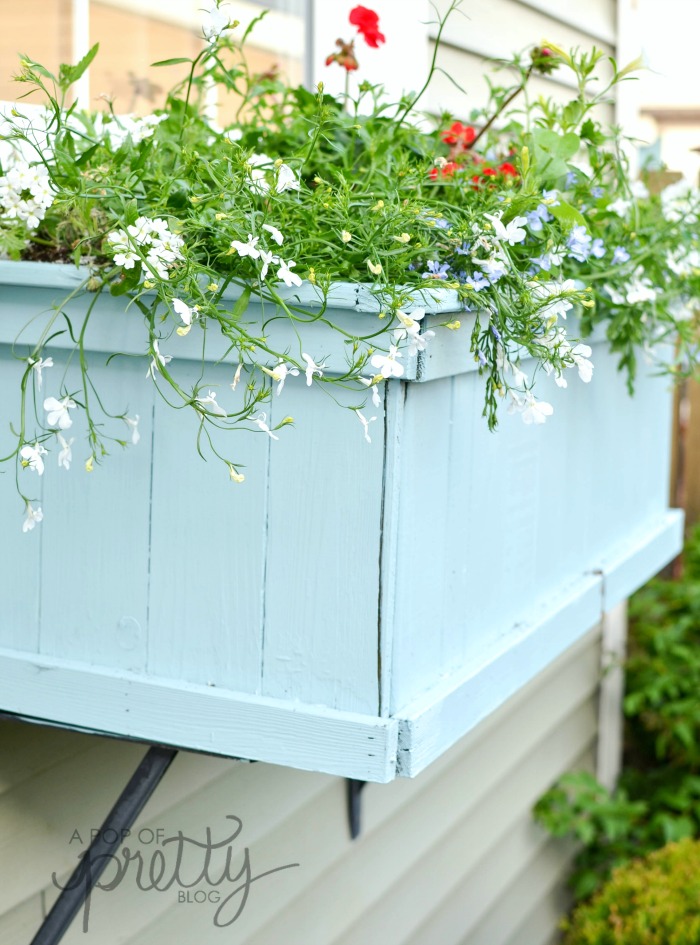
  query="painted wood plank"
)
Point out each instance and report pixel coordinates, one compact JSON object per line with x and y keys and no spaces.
{"x":435,"y":721}
{"x":612,"y":691}
{"x":201,"y":718}
{"x":626,"y":567}
{"x":321,"y":624}
{"x":94,"y":591}
{"x":20,"y":553}
{"x":207,"y":547}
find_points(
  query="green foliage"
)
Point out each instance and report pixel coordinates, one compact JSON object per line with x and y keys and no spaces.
{"x":657,"y":800}
{"x":649,"y":901}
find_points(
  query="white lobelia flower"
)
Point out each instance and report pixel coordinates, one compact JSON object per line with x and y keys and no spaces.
{"x":65,"y":456}
{"x":387,"y":364}
{"x":216,"y":22}
{"x":157,"y":359}
{"x":31,"y":457}
{"x":581,"y":354}
{"x":184,"y":311}
{"x":274,"y":233}
{"x":57,"y":412}
{"x":38,"y":366}
{"x":285,"y":274}
{"x":256,"y":163}
{"x":209,"y":402}
{"x":312,"y":368}
{"x":287,"y":179}
{"x":268,"y":259}
{"x":365,"y":424}
{"x":236,"y":377}
{"x":512,"y":233}
{"x":247,"y":249}
{"x":281,"y":373}
{"x":133,"y":425}
{"x":32,"y":516}
{"x":531,"y":410}
{"x":261,"y":422}
{"x":376,"y":399}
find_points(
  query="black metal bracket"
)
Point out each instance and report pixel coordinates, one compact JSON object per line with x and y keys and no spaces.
{"x":76,"y":893}
{"x":354,"y":790}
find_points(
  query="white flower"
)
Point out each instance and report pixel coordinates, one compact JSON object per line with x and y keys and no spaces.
{"x":641,"y":290}
{"x":554,"y":296}
{"x":133,"y":425}
{"x":157,"y":359}
{"x":387,"y":364}
{"x":281,"y":373}
{"x":639,"y":190}
{"x":258,"y":183}
{"x":274,"y":233}
{"x":31,"y":456}
{"x":261,"y":422}
{"x":32,"y":516}
{"x":376,"y":399}
{"x":268,"y":259}
{"x":57,"y":412}
{"x":286,"y":275}
{"x":312,"y":368}
{"x":365,"y":424}
{"x":210,"y":403}
{"x":236,"y":377}
{"x":511,"y":234}
{"x":247,"y":249}
{"x":620,"y":207}
{"x":215,"y":23}
{"x":38,"y":367}
{"x":286,"y":179}
{"x":184,"y":311}
{"x":581,"y":353}
{"x":532,"y":411}
{"x":65,"y":457}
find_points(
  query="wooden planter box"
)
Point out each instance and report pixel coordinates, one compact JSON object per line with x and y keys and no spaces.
{"x":350,"y":608}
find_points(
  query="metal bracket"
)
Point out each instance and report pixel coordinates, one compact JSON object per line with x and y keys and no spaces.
{"x":354,"y":790}
{"x":130,"y":803}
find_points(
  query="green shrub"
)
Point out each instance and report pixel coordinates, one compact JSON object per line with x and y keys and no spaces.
{"x":650,"y":901}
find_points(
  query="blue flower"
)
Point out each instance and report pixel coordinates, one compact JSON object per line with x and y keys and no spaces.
{"x":597,"y":192}
{"x":482,"y":359}
{"x":495,"y":332}
{"x":436,"y":271}
{"x":620,"y":255}
{"x":536,"y":218}
{"x":579,"y":243}
{"x":476,"y":282}
{"x":463,"y":250}
{"x":544,"y":261}
{"x":571,"y":178}
{"x":598,"y":248}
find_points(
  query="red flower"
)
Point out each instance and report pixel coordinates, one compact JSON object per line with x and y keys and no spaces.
{"x":367,"y":23}
{"x":488,"y":172}
{"x":447,"y":170}
{"x":508,"y":169}
{"x":345,"y":57}
{"x":458,"y":133}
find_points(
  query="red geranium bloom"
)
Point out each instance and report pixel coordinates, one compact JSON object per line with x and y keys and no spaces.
{"x":447,"y":171}
{"x":488,"y":172}
{"x":367,"y":23}
{"x":508,"y":169}
{"x":458,"y":133}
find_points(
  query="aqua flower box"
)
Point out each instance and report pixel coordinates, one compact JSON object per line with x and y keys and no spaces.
{"x":351,"y":608}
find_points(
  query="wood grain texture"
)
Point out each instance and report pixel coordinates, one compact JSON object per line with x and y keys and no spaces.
{"x":200,"y":717}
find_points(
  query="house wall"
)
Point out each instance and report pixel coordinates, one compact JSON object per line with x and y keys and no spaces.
{"x":451,"y":857}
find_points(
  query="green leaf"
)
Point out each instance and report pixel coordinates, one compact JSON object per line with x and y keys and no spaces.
{"x":242,"y":304}
{"x":567,"y":214}
{"x":170,"y":62}
{"x":67,"y":75}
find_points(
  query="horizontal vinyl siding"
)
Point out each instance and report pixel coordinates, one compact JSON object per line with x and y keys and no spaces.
{"x":483,"y":30}
{"x":452,"y":856}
